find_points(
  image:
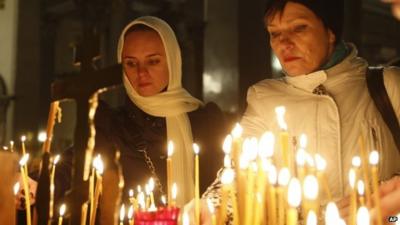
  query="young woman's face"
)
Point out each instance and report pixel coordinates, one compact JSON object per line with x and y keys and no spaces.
{"x":299,"y":39}
{"x":145,"y":62}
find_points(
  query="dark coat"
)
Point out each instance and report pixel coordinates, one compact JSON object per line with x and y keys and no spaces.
{"x":130,"y":130}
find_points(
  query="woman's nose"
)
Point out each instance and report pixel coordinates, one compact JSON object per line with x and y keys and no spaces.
{"x":142,"y":70}
{"x":285,"y":41}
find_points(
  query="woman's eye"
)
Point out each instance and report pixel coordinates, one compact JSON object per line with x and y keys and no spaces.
{"x":300,"y":28}
{"x":130,"y":64}
{"x":274,"y":34}
{"x":154,"y":61}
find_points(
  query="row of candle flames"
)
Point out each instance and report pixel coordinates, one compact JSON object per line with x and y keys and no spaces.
{"x":257,"y":191}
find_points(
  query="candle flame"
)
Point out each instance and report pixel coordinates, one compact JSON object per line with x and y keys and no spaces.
{"x":23,"y":138}
{"x":130,"y":212}
{"x":227,"y":161}
{"x":280,"y":114}
{"x":237,"y":131}
{"x":56,"y":159}
{"x":283,"y":177}
{"x":170,"y":148}
{"x":360,"y":187}
{"x":196,"y":149}
{"x":227,"y":146}
{"x":352,"y":178}
{"x":272,"y":175}
{"x":42,"y":136}
{"x":163,"y":200}
{"x":266,"y":145}
{"x":331,"y":214}
{"x":363,"y":216}
{"x":311,"y":218}
{"x":311,"y":187}
{"x":310,"y":160}
{"x":210,"y":205}
{"x":122,"y":213}
{"x":62,"y":210}
{"x":139,"y":189}
{"x":141,"y":200}
{"x":228,"y":175}
{"x":301,"y":157}
{"x":174,"y":190}
{"x":320,"y":162}
{"x":374,"y":158}
{"x":151,"y":184}
{"x":130,"y":193}
{"x":356,"y":161}
{"x":185,"y":220}
{"x":98,"y":164}
{"x":5,"y":148}
{"x":147,"y":189}
{"x":303,"y":141}
{"x":16,"y":188}
{"x":24,"y":160}
{"x":294,"y":192}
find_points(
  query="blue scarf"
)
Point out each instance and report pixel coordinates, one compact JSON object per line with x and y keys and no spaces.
{"x":339,"y":53}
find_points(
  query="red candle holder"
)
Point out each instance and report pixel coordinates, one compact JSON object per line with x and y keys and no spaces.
{"x":163,"y":216}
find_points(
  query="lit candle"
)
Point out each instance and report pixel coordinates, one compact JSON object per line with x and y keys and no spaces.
{"x":227,"y":178}
{"x":122,"y":215}
{"x":164,"y":200}
{"x":52,"y":174}
{"x":310,"y":191}
{"x":148,"y":192}
{"x":364,"y":166}
{"x":272,"y":177}
{"x":283,"y":135}
{"x":174,"y":194}
{"x":294,"y":199}
{"x":311,"y":218}
{"x":23,"y":139}
{"x":141,"y":201}
{"x":373,"y":160}
{"x":130,"y":215}
{"x":62,"y":211}
{"x":169,"y":171}
{"x":152,"y":202}
{"x":211,"y":208}
{"x":321,"y":166}
{"x":266,"y":145}
{"x":24,"y":176}
{"x":361,"y":192}
{"x":251,"y":152}
{"x":283,"y":180}
{"x":363,"y":217}
{"x":237,"y":143}
{"x":132,"y":199}
{"x":98,"y":164}
{"x":196,"y":150}
{"x":353,"y":199}
{"x":227,"y":145}
{"x":12,"y":146}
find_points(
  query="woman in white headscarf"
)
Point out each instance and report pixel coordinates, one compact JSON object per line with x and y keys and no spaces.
{"x":158,"y":109}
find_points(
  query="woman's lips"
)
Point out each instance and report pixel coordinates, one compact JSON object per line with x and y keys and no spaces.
{"x":290,"y":59}
{"x":144,"y":84}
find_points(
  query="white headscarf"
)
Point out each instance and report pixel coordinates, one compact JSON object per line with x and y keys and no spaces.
{"x":172,"y":104}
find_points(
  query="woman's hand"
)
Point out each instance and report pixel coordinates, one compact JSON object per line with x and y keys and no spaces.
{"x":390,"y":199}
{"x":20,"y":196}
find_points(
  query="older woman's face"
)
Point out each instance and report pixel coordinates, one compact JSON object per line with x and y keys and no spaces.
{"x":299,"y":39}
{"x":145,"y":63}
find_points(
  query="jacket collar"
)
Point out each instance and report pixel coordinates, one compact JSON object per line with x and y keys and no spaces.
{"x":308,"y":82}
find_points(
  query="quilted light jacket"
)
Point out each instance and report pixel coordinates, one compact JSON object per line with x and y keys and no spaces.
{"x":332,"y":122}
